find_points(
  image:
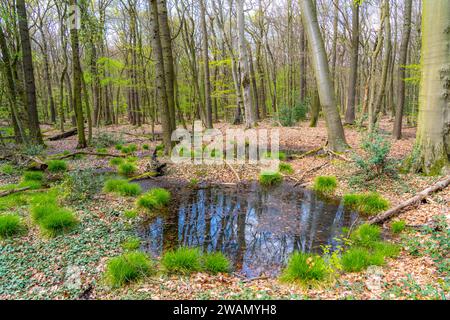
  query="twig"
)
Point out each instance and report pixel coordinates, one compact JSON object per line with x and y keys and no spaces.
{"x":234,"y":171}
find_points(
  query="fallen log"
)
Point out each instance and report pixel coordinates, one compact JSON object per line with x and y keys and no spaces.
{"x":147,"y":175}
{"x":63,"y":135}
{"x":382,"y":217}
{"x":12,"y":191}
{"x":86,"y":153}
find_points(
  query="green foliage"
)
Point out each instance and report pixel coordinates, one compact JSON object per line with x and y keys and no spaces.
{"x":156,"y":198}
{"x":116,"y":162}
{"x":366,"y":235}
{"x":132,"y":147}
{"x":386,"y":249}
{"x":304,"y":268}
{"x":33,"y":185}
{"x":127,"y":169}
{"x":33,"y":176}
{"x":32,"y":149}
{"x":325,"y":185}
{"x":127,"y":268}
{"x":160,"y":147}
{"x":7,"y":169}
{"x":357,"y":259}
{"x":102,"y":150}
{"x":289,"y":116}
{"x":53,"y":220}
{"x":118,"y":147}
{"x":122,"y":187}
{"x":130,"y":214}
{"x":182,"y":260}
{"x":375,"y":162}
{"x":131,"y":244}
{"x":106,"y":140}
{"x":366,"y":203}
{"x":216,"y":262}
{"x":277,"y":155}
{"x":285,"y":168}
{"x":398,"y":226}
{"x":269,"y":178}
{"x":145,"y":147}
{"x":10,"y":225}
{"x":57,"y":166}
{"x":81,"y":185}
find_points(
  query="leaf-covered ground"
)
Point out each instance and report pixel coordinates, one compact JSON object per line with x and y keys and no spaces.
{"x":34,"y":267}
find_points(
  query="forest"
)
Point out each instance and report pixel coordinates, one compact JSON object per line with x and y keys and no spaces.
{"x":225,"y":149}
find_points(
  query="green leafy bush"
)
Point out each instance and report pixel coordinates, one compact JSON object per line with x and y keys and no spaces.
{"x":305,"y":267}
{"x":366,"y":203}
{"x":216,"y":262}
{"x":285,"y":168}
{"x":57,"y":166}
{"x":127,"y":268}
{"x":269,"y":178}
{"x":33,"y":176}
{"x":398,"y":226}
{"x":325,"y":185}
{"x":182,"y":260}
{"x":127,"y":169}
{"x":156,"y":198}
{"x":357,"y":259}
{"x":10,"y":225}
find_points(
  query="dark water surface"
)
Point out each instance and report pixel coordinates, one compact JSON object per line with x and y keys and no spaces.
{"x":256,"y":228}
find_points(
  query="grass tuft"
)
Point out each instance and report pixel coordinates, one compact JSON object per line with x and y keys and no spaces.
{"x":7,"y":169}
{"x":116,"y":162}
{"x":154,"y":199}
{"x":53,"y":220}
{"x":275,"y":155}
{"x":122,"y":187}
{"x":10,"y":225}
{"x":304,"y":268}
{"x":182,"y":260}
{"x":130,"y":214}
{"x":366,"y":235}
{"x":127,"y":169}
{"x":33,"y":176}
{"x":269,"y":178}
{"x":216,"y":262}
{"x":398,"y":226}
{"x":131,"y":244}
{"x":285,"y":168}
{"x":367,"y":203}
{"x":357,"y":259}
{"x":325,"y":185}
{"x":57,"y":166}
{"x":127,"y":268}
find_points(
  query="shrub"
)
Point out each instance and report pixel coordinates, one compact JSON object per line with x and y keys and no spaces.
{"x":33,"y":149}
{"x":367,"y":203}
{"x":82,"y":185}
{"x":357,"y":259}
{"x":183,"y":260}
{"x":33,"y":176}
{"x":131,"y":244}
{"x":285,"y":168}
{"x":56,"y":166}
{"x":216,"y":263}
{"x":304,"y":267}
{"x":116,"y":162}
{"x":398,"y":226}
{"x":127,"y":169}
{"x":269,"y":178}
{"x":128,"y":267}
{"x":154,"y":199}
{"x":366,"y":235}
{"x":10,"y":225}
{"x":7,"y":169}
{"x":325,"y":185}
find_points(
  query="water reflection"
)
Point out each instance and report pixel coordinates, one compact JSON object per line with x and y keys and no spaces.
{"x":256,"y":228}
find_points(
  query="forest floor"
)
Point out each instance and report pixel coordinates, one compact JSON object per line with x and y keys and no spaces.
{"x":37,"y":268}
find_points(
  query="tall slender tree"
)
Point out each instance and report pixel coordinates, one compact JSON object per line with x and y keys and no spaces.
{"x":207,"y":82}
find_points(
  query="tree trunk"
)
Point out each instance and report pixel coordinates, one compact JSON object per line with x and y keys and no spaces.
{"x":433,"y":133}
{"x":336,"y":136}
{"x":401,"y":70}
{"x":208,"y":101}
{"x":353,"y":76}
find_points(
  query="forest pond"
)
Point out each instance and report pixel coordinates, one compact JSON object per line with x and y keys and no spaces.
{"x":257,"y":228}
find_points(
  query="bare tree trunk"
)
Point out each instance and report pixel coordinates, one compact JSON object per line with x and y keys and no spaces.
{"x":353,"y":77}
{"x":208,"y":102}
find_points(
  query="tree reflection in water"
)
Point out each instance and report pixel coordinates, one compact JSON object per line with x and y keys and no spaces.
{"x":256,"y":228}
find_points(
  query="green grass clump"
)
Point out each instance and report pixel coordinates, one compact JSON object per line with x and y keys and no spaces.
{"x":116,"y":162}
{"x":33,"y":185}
{"x":366,"y":235}
{"x":102,"y":150}
{"x":145,"y":147}
{"x":13,"y":201}
{"x":131,"y":159}
{"x":160,"y":147}
{"x":130,"y":214}
{"x":122,"y":187}
{"x":118,"y":147}
{"x":131,"y":244}
{"x":357,"y":259}
{"x":53,"y":220}
{"x":127,"y":268}
{"x":285,"y":168}
{"x":33,"y":176}
{"x":269,"y":178}
{"x":57,"y":166}
{"x":325,"y":184}
{"x":216,"y":262}
{"x":10,"y":225}
{"x":7,"y":169}
{"x":182,"y":260}
{"x":398,"y":226}
{"x":127,"y":169}
{"x":275,"y":155}
{"x":154,"y":199}
{"x":125,"y":150}
{"x":386,"y":249}
{"x":305,"y":267}
{"x":366,"y":203}
{"x":132,"y":147}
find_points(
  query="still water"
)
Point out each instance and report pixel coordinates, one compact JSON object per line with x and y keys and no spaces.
{"x":256,"y":228}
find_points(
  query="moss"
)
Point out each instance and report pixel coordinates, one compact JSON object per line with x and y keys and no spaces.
{"x":130,"y":214}
{"x":269,"y":178}
{"x":326,"y":185}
